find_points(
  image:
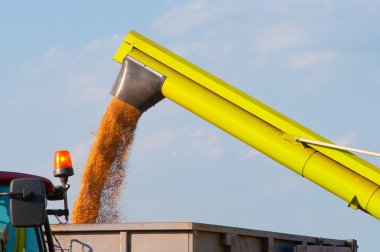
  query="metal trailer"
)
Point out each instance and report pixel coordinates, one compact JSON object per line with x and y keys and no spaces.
{"x":188,"y":237}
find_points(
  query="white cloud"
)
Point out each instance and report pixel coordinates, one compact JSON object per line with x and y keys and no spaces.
{"x":192,"y":14}
{"x":85,"y":86}
{"x":276,"y":38}
{"x":80,"y":153}
{"x":182,"y":18}
{"x":53,"y":53}
{"x":347,"y":140}
{"x":218,"y":36}
{"x":251,"y":153}
{"x":280,"y":37}
{"x":57,"y":58}
{"x":199,"y":142}
{"x":50,"y":60}
{"x":206,"y":143}
{"x":311,"y":59}
{"x":84,"y":75}
{"x":198,"y":133}
{"x":157,"y":141}
{"x":287,"y":183}
{"x":101,"y":43}
{"x":209,"y":45}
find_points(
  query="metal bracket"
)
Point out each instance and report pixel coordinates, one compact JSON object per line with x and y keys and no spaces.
{"x":335,"y":146}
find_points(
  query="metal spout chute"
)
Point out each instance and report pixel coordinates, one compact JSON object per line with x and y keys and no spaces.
{"x":138,"y":85}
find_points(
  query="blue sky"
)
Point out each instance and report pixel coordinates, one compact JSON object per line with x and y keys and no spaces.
{"x":315,"y":61}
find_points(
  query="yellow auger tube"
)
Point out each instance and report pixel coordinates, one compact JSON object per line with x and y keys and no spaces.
{"x":343,"y":174}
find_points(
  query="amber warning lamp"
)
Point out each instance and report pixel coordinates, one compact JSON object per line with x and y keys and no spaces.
{"x":63,"y":166}
{"x":63,"y":169}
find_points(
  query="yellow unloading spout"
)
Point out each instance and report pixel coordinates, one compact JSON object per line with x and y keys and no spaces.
{"x":265,"y":129}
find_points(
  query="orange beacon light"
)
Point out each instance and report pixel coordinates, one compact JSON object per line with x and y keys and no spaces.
{"x":63,"y":166}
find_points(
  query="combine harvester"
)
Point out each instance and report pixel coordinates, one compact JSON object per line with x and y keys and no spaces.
{"x":150,"y":73}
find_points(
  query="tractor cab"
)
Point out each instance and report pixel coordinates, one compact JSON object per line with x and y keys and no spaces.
{"x":24,"y":223}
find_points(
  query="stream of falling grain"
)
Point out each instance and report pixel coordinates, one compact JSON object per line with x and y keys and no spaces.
{"x":105,"y":168}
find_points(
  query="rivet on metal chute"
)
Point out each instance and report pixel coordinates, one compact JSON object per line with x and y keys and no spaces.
{"x":138,"y":85}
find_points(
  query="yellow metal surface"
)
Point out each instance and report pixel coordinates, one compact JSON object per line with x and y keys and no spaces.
{"x":347,"y":176}
{"x":133,"y":40}
{"x":20,"y":240}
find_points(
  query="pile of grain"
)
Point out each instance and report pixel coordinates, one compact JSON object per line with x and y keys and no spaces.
{"x":105,"y":168}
